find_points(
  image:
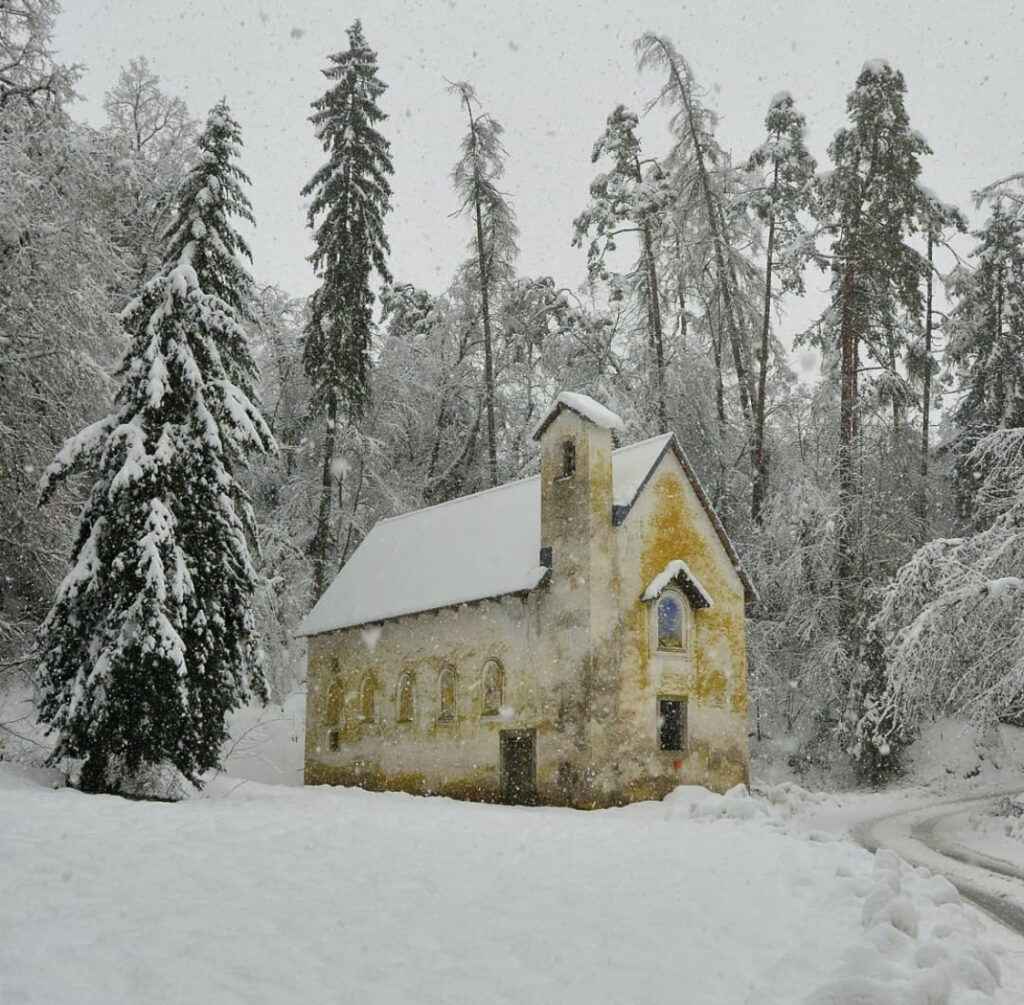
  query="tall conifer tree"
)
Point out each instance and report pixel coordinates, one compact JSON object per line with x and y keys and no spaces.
{"x":351,"y":195}
{"x":151,"y":640}
{"x":789,"y":172}
{"x":986,"y":349}
{"x":872,"y":203}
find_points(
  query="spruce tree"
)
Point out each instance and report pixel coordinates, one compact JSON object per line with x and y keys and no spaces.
{"x":351,"y":196}
{"x":151,"y":640}
{"x":788,"y":168}
{"x":493,"y":246}
{"x":986,"y":349}
{"x":871,"y":202}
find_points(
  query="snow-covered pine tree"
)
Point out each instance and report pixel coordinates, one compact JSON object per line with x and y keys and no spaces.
{"x":871,"y":202}
{"x":632,"y":196}
{"x":788,"y":172}
{"x":493,"y":247}
{"x":986,"y":349}
{"x":210,"y":198}
{"x":351,"y":196}
{"x":151,"y":640}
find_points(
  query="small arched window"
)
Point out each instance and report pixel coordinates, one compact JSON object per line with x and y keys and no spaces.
{"x":492,"y":688}
{"x":673,"y":622}
{"x":568,"y":459}
{"x":405,"y":698}
{"x":368,"y":700}
{"x":447,"y":688}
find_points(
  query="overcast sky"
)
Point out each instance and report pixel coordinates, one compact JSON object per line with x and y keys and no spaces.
{"x":550,"y":73}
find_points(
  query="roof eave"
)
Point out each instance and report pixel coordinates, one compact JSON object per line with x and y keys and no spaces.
{"x":542,"y":582}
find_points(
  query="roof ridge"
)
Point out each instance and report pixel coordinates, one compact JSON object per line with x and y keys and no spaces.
{"x":458,"y":499}
{"x":504,"y":485}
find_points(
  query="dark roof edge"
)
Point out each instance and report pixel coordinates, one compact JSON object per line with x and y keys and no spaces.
{"x":619,"y":513}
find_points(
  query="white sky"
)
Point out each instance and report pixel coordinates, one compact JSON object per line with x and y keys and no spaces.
{"x":550,"y":73}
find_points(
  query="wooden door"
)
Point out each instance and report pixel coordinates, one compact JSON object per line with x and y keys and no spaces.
{"x":519,"y":766}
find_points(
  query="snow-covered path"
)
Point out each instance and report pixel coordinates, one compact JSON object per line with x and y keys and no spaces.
{"x":927,"y":835}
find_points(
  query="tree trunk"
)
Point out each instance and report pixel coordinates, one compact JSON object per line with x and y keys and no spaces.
{"x":847,"y":434}
{"x":320,"y":544}
{"x":926,"y":396}
{"x":657,"y":336}
{"x":760,"y":490}
{"x":485,"y":307}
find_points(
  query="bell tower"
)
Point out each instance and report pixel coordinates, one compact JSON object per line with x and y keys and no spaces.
{"x":578,"y":546}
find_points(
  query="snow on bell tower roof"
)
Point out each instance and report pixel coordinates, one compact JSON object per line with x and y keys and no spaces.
{"x":583,"y":406}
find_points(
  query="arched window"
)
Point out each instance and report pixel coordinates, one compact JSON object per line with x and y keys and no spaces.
{"x":368,"y":700}
{"x":446,"y":683}
{"x":492,"y":688}
{"x":405,"y":696}
{"x":673,"y":622}
{"x":568,"y":459}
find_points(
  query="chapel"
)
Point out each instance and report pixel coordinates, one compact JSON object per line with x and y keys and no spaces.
{"x":575,"y":638}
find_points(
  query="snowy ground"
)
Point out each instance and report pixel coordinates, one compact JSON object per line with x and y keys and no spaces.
{"x":257,"y":893}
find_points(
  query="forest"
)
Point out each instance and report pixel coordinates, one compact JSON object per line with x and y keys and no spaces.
{"x":188,"y":455}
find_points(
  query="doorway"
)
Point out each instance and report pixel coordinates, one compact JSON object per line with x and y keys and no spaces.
{"x":519,"y":767}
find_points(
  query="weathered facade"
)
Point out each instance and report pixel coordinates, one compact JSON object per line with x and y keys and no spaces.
{"x":601,"y":660}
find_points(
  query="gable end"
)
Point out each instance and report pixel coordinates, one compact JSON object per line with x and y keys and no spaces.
{"x":621,"y":511}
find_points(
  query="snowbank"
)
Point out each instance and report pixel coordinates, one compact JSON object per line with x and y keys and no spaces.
{"x":918,"y":945}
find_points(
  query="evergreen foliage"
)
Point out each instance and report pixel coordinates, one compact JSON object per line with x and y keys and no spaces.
{"x":151,"y":640}
{"x":211,"y":197}
{"x":786,"y":194}
{"x":986,"y":349}
{"x":351,"y":195}
{"x":871,"y":202}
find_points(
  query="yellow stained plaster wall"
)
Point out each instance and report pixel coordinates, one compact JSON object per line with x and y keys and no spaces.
{"x":667,"y":522}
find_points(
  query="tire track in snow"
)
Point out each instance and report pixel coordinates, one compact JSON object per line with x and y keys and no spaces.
{"x":994,"y":886}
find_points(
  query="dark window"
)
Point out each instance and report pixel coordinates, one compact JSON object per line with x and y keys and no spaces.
{"x":670,"y":622}
{"x":671,"y":723}
{"x":333,"y":739}
{"x":568,"y":458}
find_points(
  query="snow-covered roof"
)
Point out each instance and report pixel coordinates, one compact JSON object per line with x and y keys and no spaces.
{"x":585,"y":407}
{"x":480,"y":546}
{"x":677,"y":571}
{"x":631,"y":467}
